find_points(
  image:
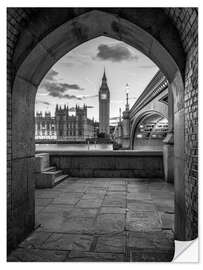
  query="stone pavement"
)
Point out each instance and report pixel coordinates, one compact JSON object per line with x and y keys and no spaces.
{"x":102,"y":219}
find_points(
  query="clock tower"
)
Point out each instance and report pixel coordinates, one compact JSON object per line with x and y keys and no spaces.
{"x":104,"y":106}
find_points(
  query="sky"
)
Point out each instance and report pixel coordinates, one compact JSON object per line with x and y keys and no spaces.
{"x":76,"y":77}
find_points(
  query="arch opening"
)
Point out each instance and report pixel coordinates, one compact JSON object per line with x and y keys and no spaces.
{"x":45,"y":54}
{"x":150,"y":132}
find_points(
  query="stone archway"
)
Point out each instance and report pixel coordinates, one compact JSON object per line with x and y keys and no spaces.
{"x":167,"y":53}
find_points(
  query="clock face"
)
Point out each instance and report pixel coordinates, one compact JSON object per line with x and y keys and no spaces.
{"x":103,"y":96}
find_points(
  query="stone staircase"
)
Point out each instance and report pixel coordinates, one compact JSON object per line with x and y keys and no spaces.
{"x":46,"y":176}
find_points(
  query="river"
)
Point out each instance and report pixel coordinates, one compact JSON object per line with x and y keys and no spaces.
{"x":72,"y":147}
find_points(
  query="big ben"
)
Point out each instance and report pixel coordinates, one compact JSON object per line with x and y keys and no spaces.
{"x":104,"y":106}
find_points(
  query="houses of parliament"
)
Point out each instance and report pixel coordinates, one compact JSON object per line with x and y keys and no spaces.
{"x":78,"y":127}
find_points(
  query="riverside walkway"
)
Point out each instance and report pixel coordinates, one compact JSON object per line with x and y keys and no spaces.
{"x":102,"y":219}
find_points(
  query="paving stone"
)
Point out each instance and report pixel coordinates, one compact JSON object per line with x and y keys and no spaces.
{"x":38,"y":209}
{"x":75,"y":189}
{"x":59,"y":241}
{"x":35,"y":240}
{"x":114,"y":243}
{"x":150,"y":240}
{"x":116,"y":194}
{"x":51,"y":221}
{"x":117,"y":188}
{"x":47,"y":194}
{"x":79,"y":256}
{"x":96,"y":190}
{"x":116,"y":200}
{"x":163,"y":205}
{"x":141,"y":214}
{"x":108,"y":223}
{"x":37,"y":255}
{"x":100,"y":184}
{"x":52,"y":208}
{"x":140,"y":205}
{"x":143,"y":224}
{"x":65,"y":223}
{"x":138,"y":196}
{"x":167,"y":220}
{"x":151,"y":256}
{"x":92,"y":196}
{"x":89,"y":203}
{"x":112,"y":210}
{"x":68,"y":198}
{"x":83,"y":212}
{"x":43,"y":201}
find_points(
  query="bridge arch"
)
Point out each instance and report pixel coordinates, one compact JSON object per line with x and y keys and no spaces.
{"x":140,"y":117}
{"x":42,"y":42}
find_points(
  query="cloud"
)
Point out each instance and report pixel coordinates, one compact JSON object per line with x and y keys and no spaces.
{"x":50,"y":76}
{"x":57,"y":89}
{"x":71,"y":97}
{"x":115,"y":53}
{"x":89,"y":96}
{"x":54,"y":87}
{"x":43,"y":102}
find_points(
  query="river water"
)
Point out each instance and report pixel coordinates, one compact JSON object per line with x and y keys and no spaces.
{"x":73,"y":147}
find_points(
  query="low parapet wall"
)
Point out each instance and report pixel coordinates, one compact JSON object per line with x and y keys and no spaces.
{"x":109,"y":163}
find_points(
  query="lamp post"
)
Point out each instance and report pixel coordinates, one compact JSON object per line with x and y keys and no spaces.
{"x":127,"y":92}
{"x":126,"y":123}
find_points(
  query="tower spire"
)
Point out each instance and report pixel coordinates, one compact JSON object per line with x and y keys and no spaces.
{"x":104,"y":75}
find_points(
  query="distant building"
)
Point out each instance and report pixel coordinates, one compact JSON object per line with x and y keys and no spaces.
{"x":45,"y":126}
{"x":104,"y":106}
{"x":64,"y":126}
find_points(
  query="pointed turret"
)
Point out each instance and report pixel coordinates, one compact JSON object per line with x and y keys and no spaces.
{"x":104,"y":76}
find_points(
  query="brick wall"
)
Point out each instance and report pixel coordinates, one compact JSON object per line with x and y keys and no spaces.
{"x":15,"y":19}
{"x":186,"y":21}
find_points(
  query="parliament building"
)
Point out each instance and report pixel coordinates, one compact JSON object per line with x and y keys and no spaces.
{"x":78,"y":127}
{"x":64,"y":126}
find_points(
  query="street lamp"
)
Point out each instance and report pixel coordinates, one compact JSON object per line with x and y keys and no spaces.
{"x":127,"y":92}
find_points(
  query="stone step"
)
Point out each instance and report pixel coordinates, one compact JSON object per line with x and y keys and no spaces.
{"x":41,"y":162}
{"x":53,"y":173}
{"x":48,"y":179}
{"x":60,"y":178}
{"x":48,"y":169}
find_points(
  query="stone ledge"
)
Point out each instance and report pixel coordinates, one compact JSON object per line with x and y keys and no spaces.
{"x":101,"y":153}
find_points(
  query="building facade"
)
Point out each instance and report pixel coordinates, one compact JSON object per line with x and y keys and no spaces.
{"x":104,"y":106}
{"x":45,"y":127}
{"x":64,"y":126}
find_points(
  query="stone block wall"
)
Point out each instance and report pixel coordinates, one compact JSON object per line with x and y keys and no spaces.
{"x":109,"y":164}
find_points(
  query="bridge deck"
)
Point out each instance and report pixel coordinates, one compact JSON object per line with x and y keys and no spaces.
{"x":102,"y":219}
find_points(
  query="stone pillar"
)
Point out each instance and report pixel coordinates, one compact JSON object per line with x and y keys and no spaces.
{"x":21,"y":215}
{"x":168,"y":146}
{"x":179,"y":158}
{"x":126,"y":130}
{"x":119,"y":137}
